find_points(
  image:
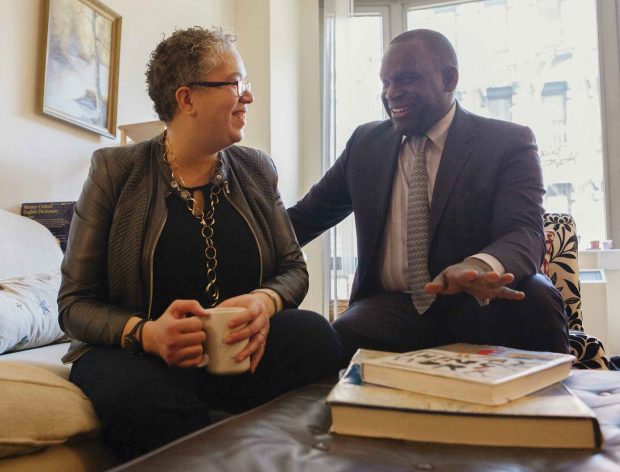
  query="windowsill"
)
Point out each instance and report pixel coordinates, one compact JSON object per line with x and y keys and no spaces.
{"x":608,"y":259}
{"x":600,"y":250}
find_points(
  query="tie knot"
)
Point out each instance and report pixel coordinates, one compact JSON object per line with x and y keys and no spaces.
{"x":418,"y":143}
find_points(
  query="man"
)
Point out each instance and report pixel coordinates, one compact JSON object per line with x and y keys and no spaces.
{"x":461,"y":265}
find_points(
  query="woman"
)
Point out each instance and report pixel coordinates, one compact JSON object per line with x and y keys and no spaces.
{"x":169,"y":227}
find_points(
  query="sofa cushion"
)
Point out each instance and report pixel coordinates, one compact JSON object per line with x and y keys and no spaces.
{"x":46,"y":357}
{"x":29,"y":312}
{"x":40,"y":409}
{"x":26,"y":246}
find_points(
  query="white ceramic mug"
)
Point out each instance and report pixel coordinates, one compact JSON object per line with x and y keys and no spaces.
{"x":221,"y":356}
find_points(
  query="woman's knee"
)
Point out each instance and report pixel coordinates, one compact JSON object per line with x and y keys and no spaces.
{"x":309,"y":335}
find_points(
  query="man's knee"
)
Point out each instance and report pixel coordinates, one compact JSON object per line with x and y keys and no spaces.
{"x":543,"y":312}
{"x":542,"y":296}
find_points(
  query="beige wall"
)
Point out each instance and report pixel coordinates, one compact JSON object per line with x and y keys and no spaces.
{"x":252,"y":26}
{"x":279,"y":41}
{"x":44,"y":159}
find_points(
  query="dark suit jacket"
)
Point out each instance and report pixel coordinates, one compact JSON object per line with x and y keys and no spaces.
{"x":487,"y":197}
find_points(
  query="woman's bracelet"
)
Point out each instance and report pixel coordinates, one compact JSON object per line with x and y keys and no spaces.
{"x":133,"y":339}
{"x":272,"y":297}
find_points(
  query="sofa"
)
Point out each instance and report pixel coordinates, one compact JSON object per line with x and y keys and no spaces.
{"x":47,"y":423}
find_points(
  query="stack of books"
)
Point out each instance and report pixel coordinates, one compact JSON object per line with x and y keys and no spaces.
{"x":463,"y":394}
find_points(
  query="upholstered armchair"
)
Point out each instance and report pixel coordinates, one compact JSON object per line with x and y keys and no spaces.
{"x":561,"y":265}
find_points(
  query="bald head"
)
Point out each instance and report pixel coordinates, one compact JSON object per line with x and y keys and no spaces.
{"x":436,"y":44}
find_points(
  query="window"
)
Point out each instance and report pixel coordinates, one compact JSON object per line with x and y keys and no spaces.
{"x":552,"y":70}
{"x":499,"y":102}
{"x":534,"y":62}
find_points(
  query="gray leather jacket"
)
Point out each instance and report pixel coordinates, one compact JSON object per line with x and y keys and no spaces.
{"x":107,"y":272}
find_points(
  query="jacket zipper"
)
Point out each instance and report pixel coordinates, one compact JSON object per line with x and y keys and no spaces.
{"x":152,"y":269}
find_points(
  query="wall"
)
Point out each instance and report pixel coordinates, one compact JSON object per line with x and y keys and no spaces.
{"x":309,"y":168}
{"x":279,"y":41}
{"x":600,"y":300}
{"x":44,"y":159}
{"x":252,"y":26}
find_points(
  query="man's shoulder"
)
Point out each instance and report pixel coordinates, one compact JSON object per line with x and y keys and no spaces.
{"x":494,"y":131}
{"x":494,"y":125}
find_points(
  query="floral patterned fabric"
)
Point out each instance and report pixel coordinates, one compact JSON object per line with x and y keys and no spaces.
{"x":561,"y":266}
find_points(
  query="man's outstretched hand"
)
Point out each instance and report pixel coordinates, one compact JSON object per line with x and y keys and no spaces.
{"x":475,"y":277}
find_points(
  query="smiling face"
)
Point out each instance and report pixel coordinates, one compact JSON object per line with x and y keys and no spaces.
{"x":416,"y":93}
{"x":220,"y":112}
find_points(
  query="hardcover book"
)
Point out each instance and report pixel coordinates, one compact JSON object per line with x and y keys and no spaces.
{"x":491,"y":375}
{"x":550,"y":418}
{"x":55,"y":216}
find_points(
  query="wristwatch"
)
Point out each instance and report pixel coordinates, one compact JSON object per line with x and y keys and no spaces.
{"x":132,"y":341}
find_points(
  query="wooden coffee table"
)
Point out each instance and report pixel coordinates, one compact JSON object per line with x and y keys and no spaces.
{"x":291,"y":434}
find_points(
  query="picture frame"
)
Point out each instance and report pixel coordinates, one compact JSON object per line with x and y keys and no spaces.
{"x":80,"y":60}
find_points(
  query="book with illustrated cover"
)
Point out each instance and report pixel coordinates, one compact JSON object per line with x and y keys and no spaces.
{"x":491,"y":375}
{"x":55,"y":216}
{"x":550,"y":418}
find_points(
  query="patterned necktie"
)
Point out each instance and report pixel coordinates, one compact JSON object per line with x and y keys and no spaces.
{"x":417,"y":227}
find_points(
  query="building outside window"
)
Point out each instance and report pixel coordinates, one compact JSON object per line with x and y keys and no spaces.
{"x":533,"y":62}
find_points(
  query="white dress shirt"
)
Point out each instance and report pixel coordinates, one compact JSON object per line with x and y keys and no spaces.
{"x":394,"y":271}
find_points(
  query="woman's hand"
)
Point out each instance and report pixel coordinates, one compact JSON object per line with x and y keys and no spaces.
{"x":175,"y":337}
{"x":256,"y":316}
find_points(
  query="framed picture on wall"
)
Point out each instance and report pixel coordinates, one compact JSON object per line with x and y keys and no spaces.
{"x":80,"y":64}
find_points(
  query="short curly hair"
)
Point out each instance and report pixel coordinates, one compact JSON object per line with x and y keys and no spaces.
{"x":186,"y":56}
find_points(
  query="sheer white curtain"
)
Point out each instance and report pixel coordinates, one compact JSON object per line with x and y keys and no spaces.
{"x":352,"y":52}
{"x":336,"y":100}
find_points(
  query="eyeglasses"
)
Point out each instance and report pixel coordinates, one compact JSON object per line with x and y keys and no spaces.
{"x":241,"y":86}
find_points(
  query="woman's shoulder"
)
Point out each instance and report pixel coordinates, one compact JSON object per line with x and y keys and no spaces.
{"x":250,"y":159}
{"x":123,"y":160}
{"x":123,"y":154}
{"x":247,"y":152}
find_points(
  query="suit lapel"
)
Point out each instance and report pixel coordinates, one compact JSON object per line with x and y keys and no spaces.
{"x":456,"y":152}
{"x":387,"y":150}
{"x":381,"y":166}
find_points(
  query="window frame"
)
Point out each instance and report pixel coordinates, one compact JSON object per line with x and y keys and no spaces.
{"x":608,"y":17}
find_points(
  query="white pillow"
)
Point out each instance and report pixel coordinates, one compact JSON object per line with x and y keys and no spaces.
{"x":29,"y":311}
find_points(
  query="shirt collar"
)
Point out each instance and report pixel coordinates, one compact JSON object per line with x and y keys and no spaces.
{"x":439,"y":132}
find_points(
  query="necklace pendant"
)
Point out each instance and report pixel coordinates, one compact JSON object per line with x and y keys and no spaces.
{"x":174,"y":184}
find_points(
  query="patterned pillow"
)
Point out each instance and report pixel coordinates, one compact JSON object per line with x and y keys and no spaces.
{"x":549,"y":238}
{"x":29,"y":312}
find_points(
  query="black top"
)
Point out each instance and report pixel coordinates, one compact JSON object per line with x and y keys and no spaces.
{"x":180,"y":262}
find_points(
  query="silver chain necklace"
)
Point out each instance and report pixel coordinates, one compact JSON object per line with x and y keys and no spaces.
{"x":207,"y":220}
